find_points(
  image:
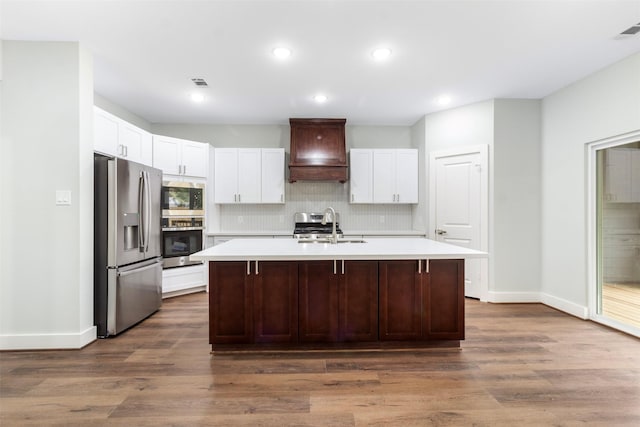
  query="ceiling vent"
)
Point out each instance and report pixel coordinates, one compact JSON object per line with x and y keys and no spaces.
{"x":631,"y":30}
{"x":200,"y":82}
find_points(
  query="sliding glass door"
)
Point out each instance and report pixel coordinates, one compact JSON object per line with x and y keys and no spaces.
{"x":617,"y":236}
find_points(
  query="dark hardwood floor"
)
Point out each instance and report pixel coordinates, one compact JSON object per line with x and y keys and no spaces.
{"x":521,"y":365}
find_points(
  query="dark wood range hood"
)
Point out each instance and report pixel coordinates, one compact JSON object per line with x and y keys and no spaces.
{"x":318,"y":150}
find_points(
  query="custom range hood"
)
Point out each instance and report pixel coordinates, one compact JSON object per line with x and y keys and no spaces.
{"x":318,"y":150}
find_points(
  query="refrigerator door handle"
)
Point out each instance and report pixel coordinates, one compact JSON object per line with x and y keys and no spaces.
{"x":141,"y":221}
{"x":147,"y":210}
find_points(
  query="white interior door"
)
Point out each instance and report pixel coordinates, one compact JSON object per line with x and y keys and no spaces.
{"x":458,"y":200}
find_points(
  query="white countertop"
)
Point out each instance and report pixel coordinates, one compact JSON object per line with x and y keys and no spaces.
{"x":271,"y":233}
{"x":373,"y":249}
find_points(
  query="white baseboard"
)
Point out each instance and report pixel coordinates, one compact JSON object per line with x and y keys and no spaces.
{"x":48,"y":341}
{"x":513,"y":297}
{"x":552,"y":301}
{"x":184,"y":292}
{"x":567,"y":306}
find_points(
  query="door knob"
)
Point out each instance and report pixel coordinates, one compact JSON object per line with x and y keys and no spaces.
{"x":440,"y":232}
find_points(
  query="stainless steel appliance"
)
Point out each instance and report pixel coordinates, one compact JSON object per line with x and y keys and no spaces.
{"x":181,"y":236}
{"x":127,"y":240}
{"x":309,"y":225}
{"x":182,"y":199}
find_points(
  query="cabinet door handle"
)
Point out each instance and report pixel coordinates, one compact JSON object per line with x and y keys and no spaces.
{"x":248,"y":268}
{"x":419,"y":266}
{"x":426,"y":266}
{"x":335,"y":270}
{"x":398,"y":199}
{"x":184,"y":169}
{"x":342,"y":266}
{"x":239,"y":200}
{"x":257,"y":271}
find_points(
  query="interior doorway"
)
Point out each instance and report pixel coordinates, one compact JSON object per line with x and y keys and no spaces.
{"x":615,"y":233}
{"x":458,"y":207}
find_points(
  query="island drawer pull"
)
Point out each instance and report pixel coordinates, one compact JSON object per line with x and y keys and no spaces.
{"x":419,"y":266}
{"x":248,"y":268}
{"x":257,"y":271}
{"x":335,"y":269}
{"x":342,"y":266}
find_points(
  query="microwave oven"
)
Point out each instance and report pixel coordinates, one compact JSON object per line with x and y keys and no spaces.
{"x":182,"y":198}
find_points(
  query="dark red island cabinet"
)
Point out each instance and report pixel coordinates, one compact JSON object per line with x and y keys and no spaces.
{"x":289,"y":303}
{"x":421,"y":300}
{"x":338,"y":301}
{"x":253,"y":302}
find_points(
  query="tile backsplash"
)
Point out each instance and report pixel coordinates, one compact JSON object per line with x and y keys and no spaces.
{"x":315,"y":197}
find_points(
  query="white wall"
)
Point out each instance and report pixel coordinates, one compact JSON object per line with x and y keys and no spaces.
{"x":516,"y":198}
{"x":419,"y":211}
{"x":300,"y":196}
{"x":46,"y":268}
{"x":603,"y":105}
{"x":116,"y":110}
{"x":278,"y":136}
{"x":511,"y":130}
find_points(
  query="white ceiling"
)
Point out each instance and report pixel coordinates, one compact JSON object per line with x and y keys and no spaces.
{"x":147,"y":51}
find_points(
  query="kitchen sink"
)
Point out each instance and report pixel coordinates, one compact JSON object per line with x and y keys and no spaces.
{"x":321,"y":240}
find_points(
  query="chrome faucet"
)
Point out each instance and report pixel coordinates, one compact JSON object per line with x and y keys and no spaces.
{"x":334,"y":233}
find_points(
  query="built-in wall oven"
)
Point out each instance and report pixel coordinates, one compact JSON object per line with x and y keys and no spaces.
{"x":182,"y":222}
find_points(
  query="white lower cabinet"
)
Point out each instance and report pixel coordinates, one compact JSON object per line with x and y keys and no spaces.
{"x":184,"y":280}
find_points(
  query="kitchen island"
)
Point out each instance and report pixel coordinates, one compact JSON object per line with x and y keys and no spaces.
{"x":269,"y":294}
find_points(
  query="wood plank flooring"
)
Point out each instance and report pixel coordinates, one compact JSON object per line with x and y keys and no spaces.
{"x":621,"y":301}
{"x":521,"y":364}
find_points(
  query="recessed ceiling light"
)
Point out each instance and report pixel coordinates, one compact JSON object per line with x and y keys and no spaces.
{"x":381,"y":53}
{"x":197,"y":97}
{"x":320,"y":98}
{"x":443,"y":100}
{"x":281,"y":52}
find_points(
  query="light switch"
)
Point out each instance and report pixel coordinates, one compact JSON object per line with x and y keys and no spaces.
{"x":63,"y":197}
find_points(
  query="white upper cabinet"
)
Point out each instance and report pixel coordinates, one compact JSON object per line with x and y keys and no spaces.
{"x":407,"y":176}
{"x":116,"y":137}
{"x":180,"y":157}
{"x":361,"y":175}
{"x":105,"y":130}
{"x":136,"y":144}
{"x":384,"y":175}
{"x":249,"y":175}
{"x":273,"y":175}
{"x":622,"y":175}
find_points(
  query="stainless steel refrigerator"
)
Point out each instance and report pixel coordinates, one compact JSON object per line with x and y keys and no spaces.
{"x":127,"y":240}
